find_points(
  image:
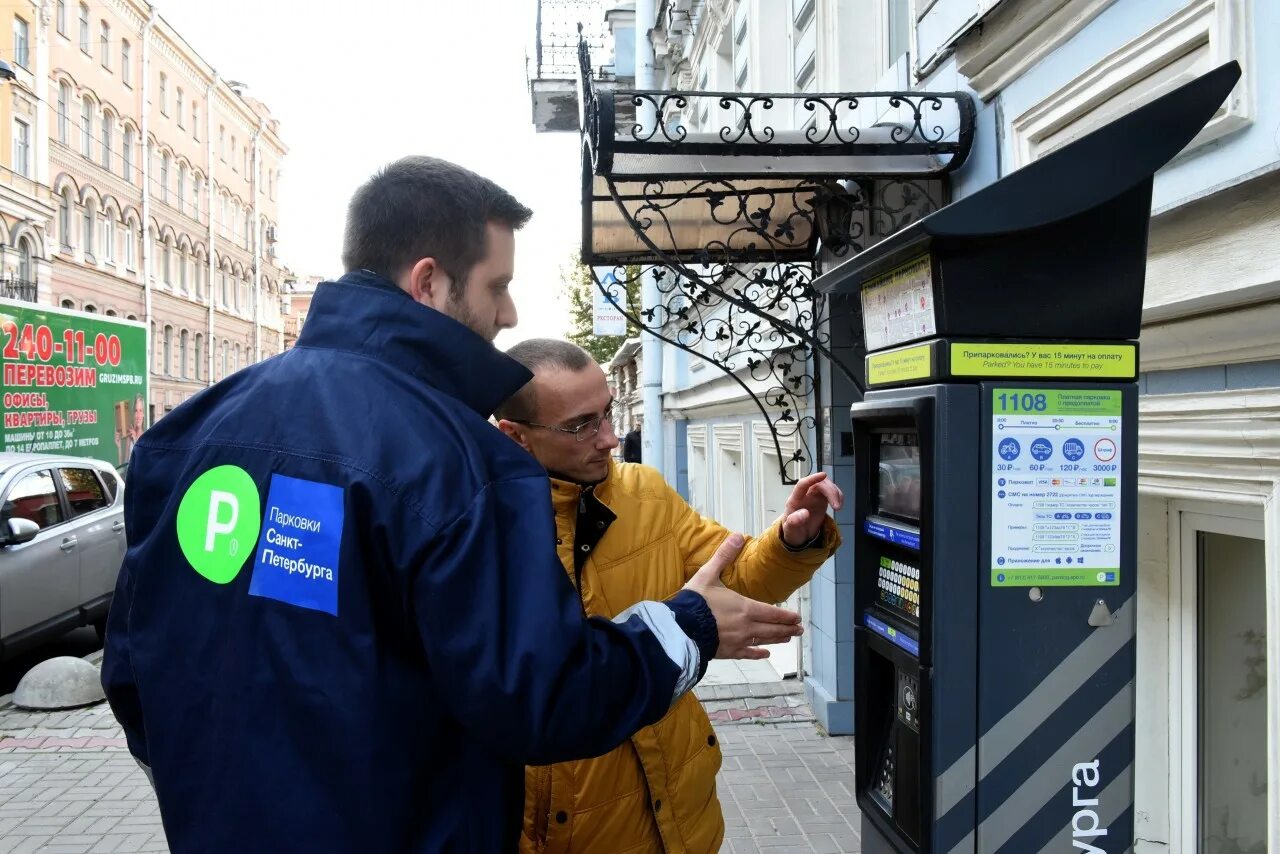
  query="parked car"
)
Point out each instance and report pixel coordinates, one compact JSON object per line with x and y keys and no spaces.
{"x":62,"y":542}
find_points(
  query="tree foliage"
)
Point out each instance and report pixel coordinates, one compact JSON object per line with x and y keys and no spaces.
{"x":580,"y":290}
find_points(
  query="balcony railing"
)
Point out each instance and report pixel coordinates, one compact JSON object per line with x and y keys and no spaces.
{"x":19,"y":289}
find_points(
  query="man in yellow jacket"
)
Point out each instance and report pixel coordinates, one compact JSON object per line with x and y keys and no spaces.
{"x":624,"y":535}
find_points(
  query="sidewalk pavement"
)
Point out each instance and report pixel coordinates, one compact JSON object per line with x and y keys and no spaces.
{"x":68,"y":784}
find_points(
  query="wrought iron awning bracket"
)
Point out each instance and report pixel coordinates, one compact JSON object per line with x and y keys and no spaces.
{"x":828,"y":183}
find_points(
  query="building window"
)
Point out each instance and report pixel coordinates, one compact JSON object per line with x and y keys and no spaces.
{"x":130,"y":247}
{"x":164,"y":177}
{"x":164,"y":93}
{"x":248,"y":166}
{"x":126,"y":68}
{"x":64,"y":220}
{"x":66,"y":303}
{"x":182,"y":349}
{"x":64,"y":112}
{"x":167,"y":264}
{"x":741,"y":65}
{"x":86,"y":128}
{"x":248,"y":227}
{"x":182,"y":185}
{"x":24,"y":260}
{"x":21,"y":42}
{"x":90,"y":309}
{"x":195,"y":195}
{"x":226,"y":296}
{"x":22,"y":148}
{"x":86,"y":227}
{"x":108,"y":125}
{"x":182,"y":271}
{"x":62,"y":17}
{"x":224,"y":358}
{"x":181,"y":107}
{"x":104,"y":239}
{"x":84,"y":28}
{"x":109,"y":239}
{"x":899,"y":31}
{"x":168,"y":351}
{"x":222,"y":143}
{"x":104,"y":45}
{"x":126,"y":154}
{"x":234,"y":167}
{"x":199,"y":356}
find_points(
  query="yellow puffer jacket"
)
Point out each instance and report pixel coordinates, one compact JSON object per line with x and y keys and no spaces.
{"x":656,"y":793}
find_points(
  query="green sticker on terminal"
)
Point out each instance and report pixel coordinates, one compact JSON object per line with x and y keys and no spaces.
{"x":218,"y":522}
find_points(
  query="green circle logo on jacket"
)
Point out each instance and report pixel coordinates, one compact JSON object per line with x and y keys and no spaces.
{"x":218,"y":522}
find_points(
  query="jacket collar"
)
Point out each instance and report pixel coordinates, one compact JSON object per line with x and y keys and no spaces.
{"x":367,"y":314}
{"x":566,"y":493}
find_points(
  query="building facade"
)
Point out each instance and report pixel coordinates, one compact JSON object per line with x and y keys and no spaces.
{"x":1041,"y":73}
{"x":151,"y":187}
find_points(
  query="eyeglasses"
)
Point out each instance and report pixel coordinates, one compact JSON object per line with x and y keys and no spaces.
{"x":586,"y":430}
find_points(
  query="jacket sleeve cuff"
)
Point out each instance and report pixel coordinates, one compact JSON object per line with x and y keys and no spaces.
{"x":693,"y":616}
{"x":828,"y":538}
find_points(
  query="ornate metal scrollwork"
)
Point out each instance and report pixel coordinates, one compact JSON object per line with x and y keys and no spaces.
{"x":760,"y":322}
{"x":742,"y":298}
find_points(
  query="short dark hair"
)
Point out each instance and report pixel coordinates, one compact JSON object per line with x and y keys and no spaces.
{"x":424,"y":207}
{"x":536,"y":354}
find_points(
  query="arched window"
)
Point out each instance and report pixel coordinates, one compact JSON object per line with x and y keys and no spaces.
{"x":66,"y":303}
{"x":108,"y":124}
{"x":164,"y":177}
{"x":64,"y":113}
{"x":24,"y":259}
{"x":86,"y":229}
{"x":126,"y":154}
{"x":182,"y":185}
{"x":168,"y":351}
{"x":90,"y":309}
{"x":199,"y":356}
{"x":182,"y":270}
{"x":235,"y":361}
{"x":167,"y":267}
{"x":195,"y":195}
{"x":86,"y":127}
{"x":182,"y":358}
{"x":226,"y":296}
{"x":130,"y":247}
{"x":223,"y":372}
{"x":64,"y":219}
{"x":111,"y":312}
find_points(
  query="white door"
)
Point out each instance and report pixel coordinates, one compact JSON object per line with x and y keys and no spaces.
{"x":1227,"y":770}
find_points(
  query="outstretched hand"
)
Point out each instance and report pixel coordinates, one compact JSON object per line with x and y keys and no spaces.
{"x":744,"y":624}
{"x":807,"y":506}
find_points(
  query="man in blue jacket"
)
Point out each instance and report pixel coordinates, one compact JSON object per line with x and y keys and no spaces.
{"x":341,"y":624}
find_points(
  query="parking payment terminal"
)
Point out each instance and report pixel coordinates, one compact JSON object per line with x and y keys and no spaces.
{"x":995,"y":498}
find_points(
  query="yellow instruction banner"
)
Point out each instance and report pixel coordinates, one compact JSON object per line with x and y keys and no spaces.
{"x":1092,"y":361}
{"x":909,"y":363}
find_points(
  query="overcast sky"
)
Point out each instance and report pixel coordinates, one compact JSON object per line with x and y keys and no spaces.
{"x":357,"y":85}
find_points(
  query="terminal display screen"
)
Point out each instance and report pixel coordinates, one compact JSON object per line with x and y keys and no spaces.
{"x":899,"y":478}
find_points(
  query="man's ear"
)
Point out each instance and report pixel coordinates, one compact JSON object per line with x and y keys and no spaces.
{"x":516,"y":432}
{"x":428,"y":283}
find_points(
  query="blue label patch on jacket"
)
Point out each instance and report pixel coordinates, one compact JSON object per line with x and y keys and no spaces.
{"x":297,"y":557}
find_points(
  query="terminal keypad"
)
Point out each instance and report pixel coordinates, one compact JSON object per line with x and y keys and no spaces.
{"x":898,"y":586}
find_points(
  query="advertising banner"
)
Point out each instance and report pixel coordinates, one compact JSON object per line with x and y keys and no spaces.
{"x":72,"y":383}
